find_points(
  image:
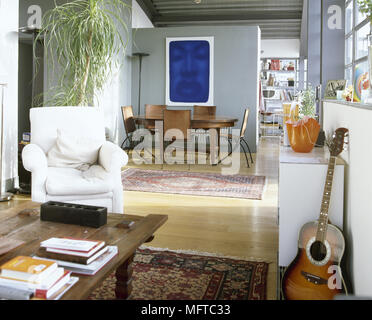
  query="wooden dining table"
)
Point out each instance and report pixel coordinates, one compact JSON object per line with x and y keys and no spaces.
{"x":205,"y":122}
{"x":197,"y":121}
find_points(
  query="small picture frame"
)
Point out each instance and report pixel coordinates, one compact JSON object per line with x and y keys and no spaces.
{"x":332,"y":87}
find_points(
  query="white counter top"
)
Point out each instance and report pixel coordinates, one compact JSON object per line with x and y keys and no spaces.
{"x":316,"y":156}
{"x":359,"y":105}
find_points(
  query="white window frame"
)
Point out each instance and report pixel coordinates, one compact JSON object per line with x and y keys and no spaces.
{"x":355,"y":28}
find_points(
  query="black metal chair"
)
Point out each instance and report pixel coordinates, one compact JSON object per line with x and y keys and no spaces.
{"x":129,"y":125}
{"x":241,"y":138}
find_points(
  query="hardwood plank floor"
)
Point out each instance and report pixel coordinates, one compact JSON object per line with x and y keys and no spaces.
{"x":226,"y":226}
{"x":230,"y":227}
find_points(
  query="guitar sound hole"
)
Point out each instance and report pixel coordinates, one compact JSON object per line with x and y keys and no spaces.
{"x":318,"y":251}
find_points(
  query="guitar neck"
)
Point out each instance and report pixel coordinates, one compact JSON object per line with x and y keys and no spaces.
{"x":323,"y":217}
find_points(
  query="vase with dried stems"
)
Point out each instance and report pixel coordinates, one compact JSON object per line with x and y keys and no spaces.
{"x":303,"y":132}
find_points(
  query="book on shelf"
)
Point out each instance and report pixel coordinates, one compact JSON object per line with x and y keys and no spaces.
{"x":28,"y":269}
{"x":286,"y":95}
{"x":66,"y":256}
{"x":91,"y":268}
{"x":72,"y":246}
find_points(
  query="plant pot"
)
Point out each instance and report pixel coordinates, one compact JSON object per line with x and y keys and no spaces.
{"x":303,"y":134}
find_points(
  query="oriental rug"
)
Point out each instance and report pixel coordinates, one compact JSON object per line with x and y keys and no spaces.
{"x":160,"y":274}
{"x":194,"y":183}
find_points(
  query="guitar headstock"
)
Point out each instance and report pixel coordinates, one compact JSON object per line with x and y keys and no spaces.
{"x":338,"y":141}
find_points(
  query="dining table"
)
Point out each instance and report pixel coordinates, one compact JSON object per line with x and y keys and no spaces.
{"x":205,"y":122}
{"x":197,"y":121}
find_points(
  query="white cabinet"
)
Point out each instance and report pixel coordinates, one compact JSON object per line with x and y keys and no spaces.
{"x":301,"y":181}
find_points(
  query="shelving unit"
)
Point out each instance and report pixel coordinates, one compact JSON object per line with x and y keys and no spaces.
{"x":277,"y":89}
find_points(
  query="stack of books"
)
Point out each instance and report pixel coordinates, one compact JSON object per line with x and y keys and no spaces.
{"x":27,"y":277}
{"x":80,"y":256}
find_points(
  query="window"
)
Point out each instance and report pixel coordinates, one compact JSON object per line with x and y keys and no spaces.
{"x":357,"y":28}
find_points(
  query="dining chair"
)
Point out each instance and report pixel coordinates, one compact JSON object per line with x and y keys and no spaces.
{"x":177,"y":119}
{"x":152,"y":110}
{"x":241,"y":138}
{"x":129,"y":125}
{"x":205,"y":110}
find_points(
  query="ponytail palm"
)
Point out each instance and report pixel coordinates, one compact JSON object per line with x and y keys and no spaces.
{"x":82,"y":40}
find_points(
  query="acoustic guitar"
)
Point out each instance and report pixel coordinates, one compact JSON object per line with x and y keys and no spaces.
{"x":315,"y":273}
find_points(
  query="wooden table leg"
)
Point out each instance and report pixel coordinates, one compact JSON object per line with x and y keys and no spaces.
{"x":124,"y":279}
{"x":150,"y":239}
{"x":214,"y":145}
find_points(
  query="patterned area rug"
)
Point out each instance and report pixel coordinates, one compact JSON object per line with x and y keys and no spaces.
{"x":194,"y":183}
{"x":170,"y":275}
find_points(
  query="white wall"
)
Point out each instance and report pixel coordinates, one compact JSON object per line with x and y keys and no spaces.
{"x":118,"y":89}
{"x":358,"y":187}
{"x":280,"y":48}
{"x":9,"y":74}
{"x":139,"y":18}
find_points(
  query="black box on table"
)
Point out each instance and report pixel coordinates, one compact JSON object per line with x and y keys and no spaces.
{"x":70,"y":213}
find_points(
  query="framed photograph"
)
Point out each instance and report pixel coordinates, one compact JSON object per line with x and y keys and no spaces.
{"x":332,"y":87}
{"x":189,"y":71}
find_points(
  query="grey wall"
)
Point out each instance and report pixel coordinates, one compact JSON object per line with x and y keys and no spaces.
{"x":329,"y":65}
{"x":236,"y":63}
{"x":313,"y":42}
{"x":304,"y":30}
{"x":333,"y":45}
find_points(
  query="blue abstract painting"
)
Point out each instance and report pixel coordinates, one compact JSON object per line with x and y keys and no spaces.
{"x":189,"y":72}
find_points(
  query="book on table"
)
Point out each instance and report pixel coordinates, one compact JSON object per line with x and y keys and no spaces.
{"x":44,"y":253}
{"x":10,"y":292}
{"x":93,"y":267}
{"x":28,"y":269}
{"x":58,"y":294}
{"x":32,"y":277}
{"x":72,"y":246}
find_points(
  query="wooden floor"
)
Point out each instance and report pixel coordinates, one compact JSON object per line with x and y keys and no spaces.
{"x":230,"y":227}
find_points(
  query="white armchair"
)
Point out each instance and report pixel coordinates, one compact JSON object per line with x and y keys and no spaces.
{"x":68,"y":184}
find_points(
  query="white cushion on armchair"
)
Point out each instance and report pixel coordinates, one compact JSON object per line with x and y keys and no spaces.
{"x":73,"y":151}
{"x":70,"y":181}
{"x":99,"y":185}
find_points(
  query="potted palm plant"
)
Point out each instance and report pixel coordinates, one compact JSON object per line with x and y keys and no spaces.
{"x":303,"y":132}
{"x":82,"y":39}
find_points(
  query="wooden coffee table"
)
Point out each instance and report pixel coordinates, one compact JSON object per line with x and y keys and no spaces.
{"x":23,"y":223}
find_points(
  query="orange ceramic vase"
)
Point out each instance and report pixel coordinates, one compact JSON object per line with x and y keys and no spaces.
{"x":303,"y":134}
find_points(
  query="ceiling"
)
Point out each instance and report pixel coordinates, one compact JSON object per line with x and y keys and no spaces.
{"x":277,"y":19}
